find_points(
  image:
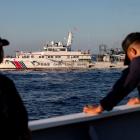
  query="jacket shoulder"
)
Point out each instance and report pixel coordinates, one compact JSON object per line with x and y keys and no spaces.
{"x":4,"y":80}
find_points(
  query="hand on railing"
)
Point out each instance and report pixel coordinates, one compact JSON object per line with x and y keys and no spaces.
{"x":93,"y":109}
{"x":133,"y":101}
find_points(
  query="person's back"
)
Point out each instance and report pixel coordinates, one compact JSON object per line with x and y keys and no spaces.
{"x":13,"y":114}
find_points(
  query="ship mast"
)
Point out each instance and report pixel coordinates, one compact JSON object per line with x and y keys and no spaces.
{"x":69,"y":41}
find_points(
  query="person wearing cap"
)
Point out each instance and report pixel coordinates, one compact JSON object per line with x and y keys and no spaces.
{"x":13,"y":114}
{"x":129,"y":80}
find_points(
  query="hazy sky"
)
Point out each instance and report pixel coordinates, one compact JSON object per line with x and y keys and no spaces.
{"x":28,"y":24}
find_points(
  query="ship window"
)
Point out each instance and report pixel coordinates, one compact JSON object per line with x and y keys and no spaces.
{"x":39,"y":56}
{"x":49,"y":49}
{"x":50,"y":56}
{"x":27,"y":56}
{"x":42,"y":56}
{"x":55,"y":50}
{"x":57,"y":56}
{"x":62,"y":49}
{"x":75,"y":56}
{"x":32,"y":56}
{"x":24,"y":56}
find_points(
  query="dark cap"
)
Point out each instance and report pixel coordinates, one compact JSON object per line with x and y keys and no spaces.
{"x":130,"y":39}
{"x":4,"y":42}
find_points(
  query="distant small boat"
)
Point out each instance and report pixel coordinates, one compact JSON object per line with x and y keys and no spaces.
{"x":108,"y":60}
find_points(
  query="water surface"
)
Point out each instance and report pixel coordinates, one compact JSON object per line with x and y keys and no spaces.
{"x":54,"y":93}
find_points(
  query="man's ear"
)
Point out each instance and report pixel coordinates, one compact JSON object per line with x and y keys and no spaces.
{"x":133,"y":51}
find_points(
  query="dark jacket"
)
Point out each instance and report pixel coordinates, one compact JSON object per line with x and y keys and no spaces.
{"x":13,"y":115}
{"x":129,"y":80}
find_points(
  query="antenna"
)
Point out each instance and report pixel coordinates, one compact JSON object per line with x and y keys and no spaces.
{"x":103,"y":49}
{"x":69,"y":41}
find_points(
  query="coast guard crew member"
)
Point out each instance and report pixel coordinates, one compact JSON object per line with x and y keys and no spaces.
{"x":13,"y":115}
{"x":129,"y":80}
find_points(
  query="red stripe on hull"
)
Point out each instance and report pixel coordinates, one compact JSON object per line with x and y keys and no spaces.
{"x":17,"y":64}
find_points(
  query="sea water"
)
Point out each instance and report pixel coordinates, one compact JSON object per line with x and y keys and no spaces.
{"x":54,"y":93}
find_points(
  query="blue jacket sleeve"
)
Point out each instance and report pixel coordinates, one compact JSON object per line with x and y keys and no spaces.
{"x":129,"y":80}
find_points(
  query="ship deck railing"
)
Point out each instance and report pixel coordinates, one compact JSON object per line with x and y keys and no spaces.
{"x":122,"y":123}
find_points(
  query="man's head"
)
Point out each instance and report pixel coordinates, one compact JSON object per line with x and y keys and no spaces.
{"x":3,"y":42}
{"x":131,"y":46}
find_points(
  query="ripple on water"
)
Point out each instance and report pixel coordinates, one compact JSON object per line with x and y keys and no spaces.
{"x":54,"y":93}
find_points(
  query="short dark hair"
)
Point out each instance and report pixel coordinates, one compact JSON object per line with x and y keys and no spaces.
{"x":3,"y":42}
{"x":130,"y":39}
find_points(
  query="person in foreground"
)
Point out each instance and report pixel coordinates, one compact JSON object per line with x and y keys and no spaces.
{"x":13,"y":114}
{"x":129,"y":80}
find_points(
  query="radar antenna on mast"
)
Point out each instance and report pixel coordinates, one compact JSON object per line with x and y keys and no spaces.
{"x":69,"y":40}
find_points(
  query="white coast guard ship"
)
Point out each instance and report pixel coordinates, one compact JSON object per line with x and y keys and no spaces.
{"x":54,"y":56}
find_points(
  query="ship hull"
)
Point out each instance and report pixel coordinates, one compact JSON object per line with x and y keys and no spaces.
{"x":34,"y":64}
{"x":19,"y":64}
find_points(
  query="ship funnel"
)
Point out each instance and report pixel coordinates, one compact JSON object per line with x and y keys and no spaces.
{"x":69,"y":41}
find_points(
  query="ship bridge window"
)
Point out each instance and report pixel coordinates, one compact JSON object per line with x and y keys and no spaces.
{"x":39,"y":56}
{"x":42,"y":56}
{"x":49,"y":49}
{"x":62,"y":49}
{"x":55,"y":50}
